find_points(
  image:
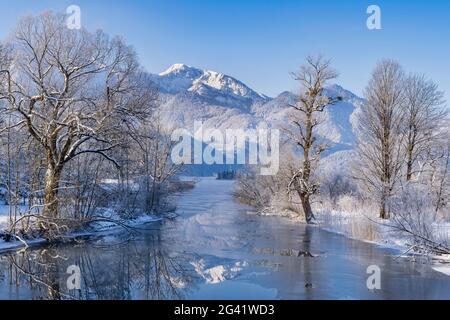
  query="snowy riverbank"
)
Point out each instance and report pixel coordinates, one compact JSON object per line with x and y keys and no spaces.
{"x":355,"y":223}
{"x":360,"y":226}
{"x":94,"y":230}
{"x":107,"y":222}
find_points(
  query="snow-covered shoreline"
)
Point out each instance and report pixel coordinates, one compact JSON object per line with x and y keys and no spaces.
{"x":385,"y":238}
{"x":108,"y":223}
{"x":347,"y":224}
{"x":98,"y":230}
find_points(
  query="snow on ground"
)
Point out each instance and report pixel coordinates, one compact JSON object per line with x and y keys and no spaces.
{"x":3,"y":222}
{"x":101,"y":228}
{"x":4,"y":214}
{"x":442,"y":264}
{"x":355,"y":224}
{"x":445,"y":269}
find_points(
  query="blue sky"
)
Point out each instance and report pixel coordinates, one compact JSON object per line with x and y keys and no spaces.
{"x":261,"y":41}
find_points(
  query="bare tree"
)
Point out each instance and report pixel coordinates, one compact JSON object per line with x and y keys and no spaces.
{"x":380,"y":138}
{"x":161,"y":166}
{"x":439,"y":178}
{"x":155,"y":145}
{"x":72,"y":90}
{"x":424,"y":115}
{"x":305,"y":119}
{"x":5,"y":75}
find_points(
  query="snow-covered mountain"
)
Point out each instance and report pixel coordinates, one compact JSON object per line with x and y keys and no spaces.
{"x":213,"y":87}
{"x":190,"y":94}
{"x":338,"y":120}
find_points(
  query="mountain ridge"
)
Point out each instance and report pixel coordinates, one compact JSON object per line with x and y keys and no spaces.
{"x":191,"y":94}
{"x":215,"y":86}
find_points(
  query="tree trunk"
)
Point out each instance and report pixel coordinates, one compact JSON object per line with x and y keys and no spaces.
{"x":51,"y":201}
{"x":152,"y":199}
{"x":306,"y":205}
{"x":409,"y":171}
{"x":384,"y":213}
{"x":409,"y":164}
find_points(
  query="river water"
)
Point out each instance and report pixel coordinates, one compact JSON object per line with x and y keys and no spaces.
{"x":215,"y":249}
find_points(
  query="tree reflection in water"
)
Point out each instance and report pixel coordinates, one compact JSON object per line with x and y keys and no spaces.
{"x":138,"y":269}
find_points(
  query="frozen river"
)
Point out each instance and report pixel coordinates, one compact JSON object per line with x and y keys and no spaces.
{"x":216,"y":250}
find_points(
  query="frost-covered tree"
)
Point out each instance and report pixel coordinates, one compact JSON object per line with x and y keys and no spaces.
{"x":414,"y":216}
{"x":424,"y":116}
{"x":438,"y":180}
{"x":305,"y":119}
{"x":151,"y":146}
{"x":380,"y":136}
{"x":72,"y":90}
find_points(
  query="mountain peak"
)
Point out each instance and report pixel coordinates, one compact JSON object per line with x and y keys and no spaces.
{"x":211,"y":85}
{"x":180,"y":68}
{"x":336,"y":90}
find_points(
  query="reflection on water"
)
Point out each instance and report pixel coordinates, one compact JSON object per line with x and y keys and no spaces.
{"x":126,"y":271}
{"x":215,"y":250}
